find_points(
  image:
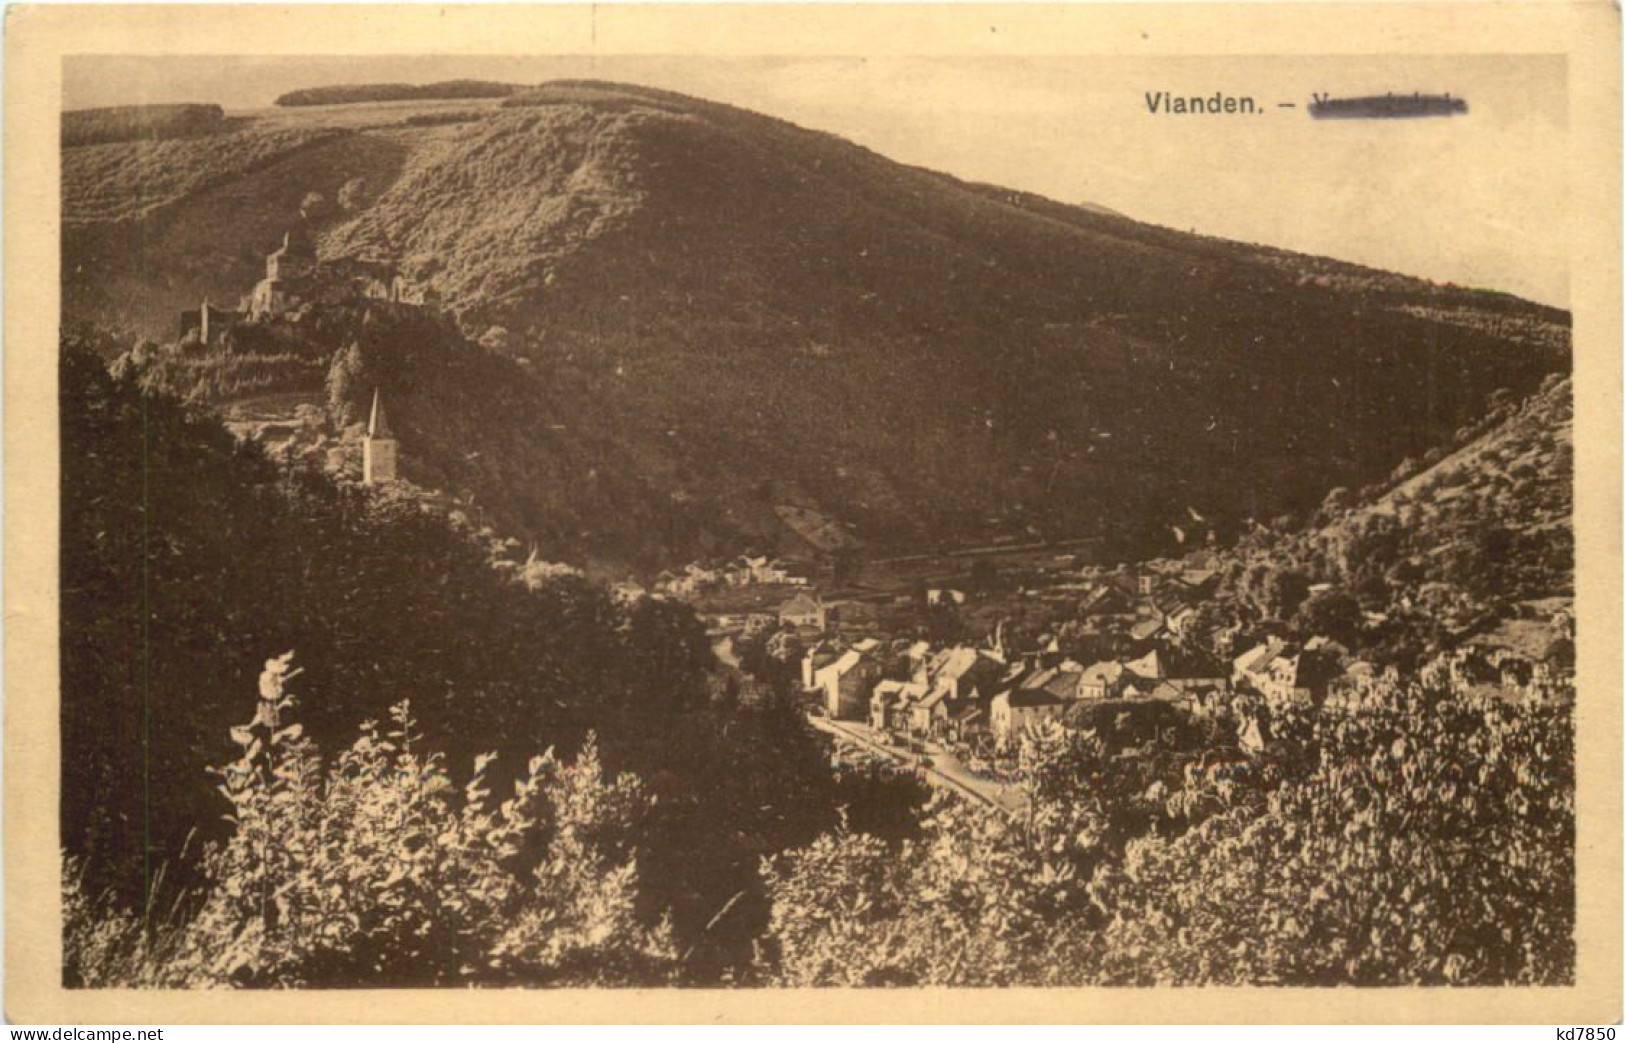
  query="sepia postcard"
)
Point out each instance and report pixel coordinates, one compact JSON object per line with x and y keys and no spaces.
{"x":850,"y":513}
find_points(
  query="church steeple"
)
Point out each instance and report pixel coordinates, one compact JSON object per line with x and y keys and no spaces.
{"x":378,"y":424}
{"x":378,"y":449}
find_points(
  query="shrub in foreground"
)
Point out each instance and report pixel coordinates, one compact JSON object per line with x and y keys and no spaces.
{"x":375,"y":869}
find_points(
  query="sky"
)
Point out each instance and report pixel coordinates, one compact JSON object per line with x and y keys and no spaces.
{"x":1479,"y":200}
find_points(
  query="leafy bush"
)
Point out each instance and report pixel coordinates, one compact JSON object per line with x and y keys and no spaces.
{"x":373,"y":870}
{"x":1428,"y":840}
{"x":967,"y":904}
{"x":1421,"y":834}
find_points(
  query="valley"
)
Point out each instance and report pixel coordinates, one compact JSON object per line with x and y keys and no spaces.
{"x":674,"y":547}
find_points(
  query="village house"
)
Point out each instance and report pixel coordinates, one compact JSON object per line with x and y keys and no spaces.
{"x":1101,"y":680}
{"x":847,"y":684}
{"x":294,"y":277}
{"x":928,"y":715}
{"x":960,"y":670}
{"x":1252,"y":665}
{"x":700,"y":577}
{"x":944,"y":596}
{"x":1298,"y":676}
{"x":367,"y":277}
{"x":1106,"y":606}
{"x":1199,"y":582}
{"x":724,"y":622}
{"x":1014,"y":711}
{"x":628,"y":590}
{"x":1178,"y":622}
{"x":1061,"y":680}
{"x":1202,"y":698}
{"x":1200,"y":560}
{"x":797,"y":573}
{"x":961,"y":680}
{"x":1137,"y":687}
{"x":730,"y":681}
{"x":1285,"y":673}
{"x":889,"y":703}
{"x":803,"y":610}
{"x":750,"y":569}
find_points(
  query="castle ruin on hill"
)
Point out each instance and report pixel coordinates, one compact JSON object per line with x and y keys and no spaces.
{"x":294,"y":277}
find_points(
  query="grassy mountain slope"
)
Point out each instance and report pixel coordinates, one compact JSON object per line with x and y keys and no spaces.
{"x":775,"y":319}
{"x":136,"y":122}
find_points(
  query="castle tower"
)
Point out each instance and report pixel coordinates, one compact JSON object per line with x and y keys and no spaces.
{"x":378,"y":449}
{"x":294,"y":259}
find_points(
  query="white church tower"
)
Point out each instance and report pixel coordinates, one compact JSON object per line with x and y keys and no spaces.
{"x":378,"y":450}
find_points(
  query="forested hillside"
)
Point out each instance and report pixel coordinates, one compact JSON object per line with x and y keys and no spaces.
{"x":189,"y":560}
{"x":1471,"y":543}
{"x":780,"y":321}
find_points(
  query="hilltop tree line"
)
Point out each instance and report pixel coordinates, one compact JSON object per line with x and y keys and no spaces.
{"x":349,"y":94}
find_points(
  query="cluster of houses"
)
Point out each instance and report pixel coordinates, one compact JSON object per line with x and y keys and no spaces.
{"x":988,"y":696}
{"x":804,"y":614}
{"x":965,"y":694}
{"x":959,"y":694}
{"x":747,"y":570}
{"x":956,"y":694}
{"x":1157,"y":601}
